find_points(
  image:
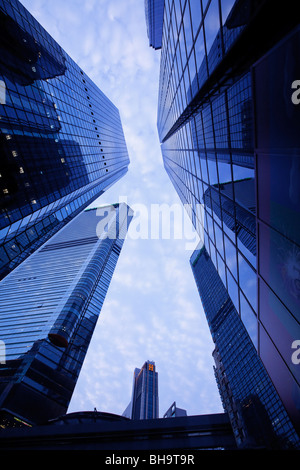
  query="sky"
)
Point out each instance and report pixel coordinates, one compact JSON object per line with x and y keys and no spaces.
{"x":152,"y":310}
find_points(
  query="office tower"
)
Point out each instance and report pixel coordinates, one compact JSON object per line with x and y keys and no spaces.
{"x":256,"y":412}
{"x":174,"y":411}
{"x":49,"y":306}
{"x":154,"y":11}
{"x":144,"y":399}
{"x":61,"y":138}
{"x":228,"y":120}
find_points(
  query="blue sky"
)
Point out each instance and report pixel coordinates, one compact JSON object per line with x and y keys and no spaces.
{"x":152,"y":309}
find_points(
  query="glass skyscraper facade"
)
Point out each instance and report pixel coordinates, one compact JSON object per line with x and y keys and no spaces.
{"x":61,"y":139}
{"x":154,"y":10}
{"x":257,"y":415}
{"x":49,"y":306}
{"x":144,"y":400}
{"x":227,"y":122}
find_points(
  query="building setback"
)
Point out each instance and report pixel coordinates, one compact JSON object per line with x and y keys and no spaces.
{"x":49,"y":306}
{"x":228,"y":120}
{"x":61,"y":139}
{"x":174,"y":411}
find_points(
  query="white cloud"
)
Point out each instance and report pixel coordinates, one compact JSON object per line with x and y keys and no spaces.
{"x":152,"y":309}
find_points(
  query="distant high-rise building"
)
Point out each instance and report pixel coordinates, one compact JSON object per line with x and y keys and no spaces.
{"x":61,"y":139}
{"x":229,"y":136}
{"x":174,"y":411}
{"x":49,"y":306}
{"x":144,"y":400}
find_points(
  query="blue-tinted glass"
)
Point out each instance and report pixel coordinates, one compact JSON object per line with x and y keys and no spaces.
{"x":234,"y":132}
{"x":226,"y":6}
{"x":248,"y":281}
{"x":219,"y":240}
{"x":224,"y":171}
{"x":230,"y":253}
{"x":52,"y":297}
{"x":246,"y":381}
{"x":203,"y":164}
{"x":249,"y":320}
{"x":212,"y":28}
{"x":284,"y":281}
{"x":200,"y":58}
{"x":62,"y":145}
{"x":231,"y":28}
{"x":210,"y":228}
{"x":154,"y":11}
{"x":233,"y":290}
{"x":176,"y":13}
{"x":240,"y":172}
{"x":221,"y":270}
{"x":204,"y":4}
{"x":46,"y":152}
{"x":212,"y":169}
{"x":187,"y":29}
{"x":208,"y":127}
{"x":195,"y":6}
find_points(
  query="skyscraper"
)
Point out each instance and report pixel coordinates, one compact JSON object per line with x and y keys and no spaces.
{"x":258,"y":417}
{"x":49,"y":306}
{"x":144,"y":400}
{"x":229,"y":140}
{"x":61,"y":139}
{"x":154,"y":10}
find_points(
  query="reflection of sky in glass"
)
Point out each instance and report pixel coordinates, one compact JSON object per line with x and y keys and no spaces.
{"x":230,"y":253}
{"x":62,"y":141}
{"x":212,"y":23}
{"x":224,"y":172}
{"x":249,"y":319}
{"x":226,"y":204}
{"x":240,"y":172}
{"x":247,"y":280}
{"x":226,"y":6}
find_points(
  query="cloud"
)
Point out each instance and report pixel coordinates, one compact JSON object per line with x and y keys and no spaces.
{"x":152,"y":309}
{"x":166,"y":325}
